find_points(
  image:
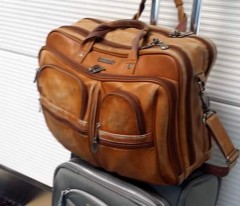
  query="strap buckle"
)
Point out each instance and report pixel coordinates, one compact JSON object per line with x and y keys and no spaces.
{"x":203,"y":95}
{"x":206,"y":115}
{"x":235,"y":154}
{"x":204,"y":99}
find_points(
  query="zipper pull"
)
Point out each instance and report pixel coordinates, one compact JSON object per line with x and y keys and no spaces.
{"x":40,"y":106}
{"x":180,"y":34}
{"x":36,"y":75}
{"x":96,"y":140}
{"x":62,"y":196}
{"x":95,"y":69}
{"x":156,"y":42}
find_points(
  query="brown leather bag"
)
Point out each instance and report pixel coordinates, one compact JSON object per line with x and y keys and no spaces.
{"x":130,"y":97}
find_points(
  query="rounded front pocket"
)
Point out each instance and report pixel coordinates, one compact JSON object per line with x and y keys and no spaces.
{"x":121,"y":113}
{"x":63,"y":89}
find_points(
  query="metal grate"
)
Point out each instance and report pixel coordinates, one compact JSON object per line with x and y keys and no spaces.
{"x":7,"y":202}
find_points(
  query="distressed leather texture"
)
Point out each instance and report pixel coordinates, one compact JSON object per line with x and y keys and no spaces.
{"x":125,"y":97}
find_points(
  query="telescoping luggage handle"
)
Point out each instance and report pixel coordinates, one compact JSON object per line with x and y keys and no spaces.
{"x":195,"y":16}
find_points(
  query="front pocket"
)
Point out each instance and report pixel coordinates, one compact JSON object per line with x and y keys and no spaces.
{"x":64,"y":116}
{"x":64,"y":99}
{"x":125,"y":141}
{"x":121,"y":113}
{"x":63,"y":89}
{"x":68,"y":129}
{"x":137,"y":131}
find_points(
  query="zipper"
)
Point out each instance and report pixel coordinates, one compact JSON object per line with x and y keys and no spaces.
{"x":95,"y":141}
{"x":190,"y":35}
{"x":82,"y":85}
{"x":189,"y":72}
{"x":125,"y":145}
{"x":36,"y":75}
{"x":156,"y":42}
{"x":189,"y":132}
{"x":179,"y":34}
{"x":166,"y":84}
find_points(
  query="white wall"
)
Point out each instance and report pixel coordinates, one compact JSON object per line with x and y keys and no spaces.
{"x":25,"y":143}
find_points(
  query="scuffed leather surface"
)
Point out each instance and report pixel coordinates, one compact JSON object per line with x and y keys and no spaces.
{"x":140,"y":108}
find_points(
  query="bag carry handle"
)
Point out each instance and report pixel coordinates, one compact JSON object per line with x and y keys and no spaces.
{"x":104,"y":28}
{"x":182,"y":17}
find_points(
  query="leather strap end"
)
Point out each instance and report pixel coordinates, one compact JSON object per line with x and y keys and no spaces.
{"x":178,"y":3}
{"x":182,"y":26}
{"x":215,"y":170}
{"x":224,"y":143}
{"x":232,"y":157}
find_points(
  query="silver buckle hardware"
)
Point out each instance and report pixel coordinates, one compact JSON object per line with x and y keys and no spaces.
{"x":95,"y":69}
{"x":204,"y":99}
{"x":203,"y":95}
{"x":156,"y":42}
{"x":234,"y":152}
{"x":206,"y":115}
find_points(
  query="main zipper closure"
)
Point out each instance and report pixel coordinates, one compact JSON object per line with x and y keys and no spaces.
{"x":189,"y":35}
{"x":163,"y":82}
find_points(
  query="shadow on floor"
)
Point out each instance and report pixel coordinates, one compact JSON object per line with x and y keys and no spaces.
{"x":19,"y":190}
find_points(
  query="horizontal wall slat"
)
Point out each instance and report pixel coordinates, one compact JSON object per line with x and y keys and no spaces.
{"x":26,"y":145}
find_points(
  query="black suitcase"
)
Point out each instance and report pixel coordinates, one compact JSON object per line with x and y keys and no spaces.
{"x":76,"y":183}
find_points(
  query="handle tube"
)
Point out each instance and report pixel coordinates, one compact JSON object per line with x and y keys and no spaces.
{"x":195,"y":18}
{"x":154,"y":12}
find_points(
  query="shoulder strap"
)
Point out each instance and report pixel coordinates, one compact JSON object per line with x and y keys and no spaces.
{"x":225,"y":144}
{"x":219,"y":134}
{"x":182,"y":17}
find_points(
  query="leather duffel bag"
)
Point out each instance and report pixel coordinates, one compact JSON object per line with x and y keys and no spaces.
{"x":130,"y":97}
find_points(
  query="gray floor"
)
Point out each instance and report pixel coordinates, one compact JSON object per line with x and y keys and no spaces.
{"x":23,"y":190}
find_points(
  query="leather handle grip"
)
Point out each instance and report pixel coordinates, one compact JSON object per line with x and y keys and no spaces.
{"x":104,"y":28}
{"x":182,"y":17}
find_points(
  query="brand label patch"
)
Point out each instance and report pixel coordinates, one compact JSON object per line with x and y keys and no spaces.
{"x":105,"y":60}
